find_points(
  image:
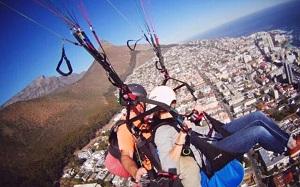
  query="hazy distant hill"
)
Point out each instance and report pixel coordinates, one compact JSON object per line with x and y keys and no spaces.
{"x":38,"y":136}
{"x":42,"y":86}
{"x":284,"y":16}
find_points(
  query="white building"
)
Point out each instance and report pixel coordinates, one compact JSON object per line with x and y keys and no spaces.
{"x":88,"y":165}
{"x":236,"y":99}
{"x":275,"y":93}
{"x":237,"y":108}
{"x":84,"y":154}
{"x":247,"y":58}
{"x":270,"y":161}
{"x":250,"y":102}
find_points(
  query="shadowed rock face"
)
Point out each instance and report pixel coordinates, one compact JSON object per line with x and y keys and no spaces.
{"x":37,"y":134}
{"x":43,"y":86}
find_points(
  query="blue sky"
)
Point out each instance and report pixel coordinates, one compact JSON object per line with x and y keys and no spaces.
{"x":28,"y":51}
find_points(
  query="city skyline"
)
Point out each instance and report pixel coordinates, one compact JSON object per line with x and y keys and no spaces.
{"x":241,"y":81}
{"x":29,"y":51}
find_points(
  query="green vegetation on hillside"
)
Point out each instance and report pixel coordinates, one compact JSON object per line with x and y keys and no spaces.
{"x":25,"y":161}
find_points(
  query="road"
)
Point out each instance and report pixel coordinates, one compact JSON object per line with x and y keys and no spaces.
{"x":216,"y":91}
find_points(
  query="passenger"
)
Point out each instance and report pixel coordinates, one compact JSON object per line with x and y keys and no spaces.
{"x":246,"y":132}
{"x":170,"y":143}
{"x":127,"y":141}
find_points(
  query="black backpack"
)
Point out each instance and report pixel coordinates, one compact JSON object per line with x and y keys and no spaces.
{"x":113,"y":147}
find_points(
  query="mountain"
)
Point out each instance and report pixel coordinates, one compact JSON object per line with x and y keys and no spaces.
{"x":43,"y":86}
{"x":38,"y":136}
{"x":283,"y":16}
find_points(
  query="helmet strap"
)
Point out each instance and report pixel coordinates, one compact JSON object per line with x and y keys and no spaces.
{"x":134,"y":129}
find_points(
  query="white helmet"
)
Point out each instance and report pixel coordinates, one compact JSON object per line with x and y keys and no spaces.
{"x":163,"y":94}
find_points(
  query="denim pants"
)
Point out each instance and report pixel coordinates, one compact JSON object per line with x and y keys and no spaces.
{"x":252,"y":129}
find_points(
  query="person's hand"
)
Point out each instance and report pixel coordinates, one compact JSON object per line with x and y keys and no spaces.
{"x":182,"y":134}
{"x":141,"y":171}
{"x":187,"y":123}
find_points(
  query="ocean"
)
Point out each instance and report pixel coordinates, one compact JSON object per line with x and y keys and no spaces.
{"x":285,"y":16}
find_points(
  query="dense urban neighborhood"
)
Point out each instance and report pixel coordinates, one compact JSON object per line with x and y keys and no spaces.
{"x":231,"y":77}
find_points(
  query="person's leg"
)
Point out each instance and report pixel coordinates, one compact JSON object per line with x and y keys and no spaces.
{"x":244,"y":139}
{"x":258,"y":118}
{"x":189,"y":172}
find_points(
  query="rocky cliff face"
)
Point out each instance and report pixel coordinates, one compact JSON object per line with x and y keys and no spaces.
{"x":43,"y":86}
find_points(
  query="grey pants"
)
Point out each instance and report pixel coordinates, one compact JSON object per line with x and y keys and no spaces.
{"x":189,"y":171}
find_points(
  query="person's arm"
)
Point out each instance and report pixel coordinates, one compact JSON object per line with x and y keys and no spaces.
{"x":166,"y":138}
{"x":175,"y":152}
{"x":129,"y":164}
{"x":126,"y":145}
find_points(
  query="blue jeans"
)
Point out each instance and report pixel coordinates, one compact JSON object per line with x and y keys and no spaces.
{"x":252,"y":129}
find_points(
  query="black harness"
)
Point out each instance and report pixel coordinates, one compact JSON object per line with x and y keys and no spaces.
{"x":215,"y":157}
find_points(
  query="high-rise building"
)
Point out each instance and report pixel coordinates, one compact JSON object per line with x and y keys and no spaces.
{"x":275,"y":93}
{"x":288,"y":72}
{"x":270,"y":41}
